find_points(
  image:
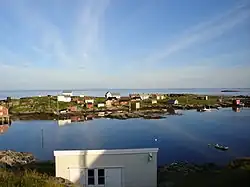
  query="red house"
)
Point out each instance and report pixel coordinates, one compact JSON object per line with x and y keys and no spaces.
{"x":236,"y":102}
{"x":73,"y":109}
{"x":4,"y":111}
{"x":89,"y":105}
{"x":124,"y":100}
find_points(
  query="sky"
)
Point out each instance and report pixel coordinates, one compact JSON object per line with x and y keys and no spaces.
{"x":78,"y":44}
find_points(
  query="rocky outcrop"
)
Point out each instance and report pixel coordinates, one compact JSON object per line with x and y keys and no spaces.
{"x":242,"y":163}
{"x":63,"y":182}
{"x":10,"y":158}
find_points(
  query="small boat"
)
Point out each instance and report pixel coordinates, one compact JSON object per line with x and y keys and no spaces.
{"x":221,"y":147}
{"x":206,"y":109}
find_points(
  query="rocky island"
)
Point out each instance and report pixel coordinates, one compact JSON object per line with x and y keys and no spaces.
{"x":147,"y":106}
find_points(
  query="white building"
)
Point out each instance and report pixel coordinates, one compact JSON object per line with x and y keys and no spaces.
{"x":67,"y":93}
{"x":89,"y":100}
{"x":109,"y":168}
{"x":99,"y":105}
{"x":144,"y":96}
{"x":116,"y":95}
{"x":154,"y":101}
{"x":173,"y":102}
{"x":81,"y":95}
{"x":63,"y":98}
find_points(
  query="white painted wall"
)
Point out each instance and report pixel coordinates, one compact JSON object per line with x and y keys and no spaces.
{"x":63,"y":98}
{"x":144,"y":96}
{"x":100,"y":105}
{"x":89,"y":101}
{"x":136,"y":169}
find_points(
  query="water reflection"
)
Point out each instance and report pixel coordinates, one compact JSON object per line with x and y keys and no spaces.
{"x":63,"y":122}
{"x":4,"y":128}
{"x":73,"y":119}
{"x":236,"y":109}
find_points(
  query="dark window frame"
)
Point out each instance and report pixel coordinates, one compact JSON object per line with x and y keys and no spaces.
{"x":91,"y":177}
{"x":101,"y":176}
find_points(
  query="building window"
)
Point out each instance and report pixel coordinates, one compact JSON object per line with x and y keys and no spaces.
{"x":101,"y":177}
{"x":91,"y":177}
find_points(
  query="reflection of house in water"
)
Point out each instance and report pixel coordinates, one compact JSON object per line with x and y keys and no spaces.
{"x":236,"y":109}
{"x":77,"y":118}
{"x":4,"y":128}
{"x":89,"y":117}
{"x":64,"y":122}
{"x":101,"y":114}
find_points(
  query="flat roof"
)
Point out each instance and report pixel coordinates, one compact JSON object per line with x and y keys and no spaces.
{"x":104,"y":152}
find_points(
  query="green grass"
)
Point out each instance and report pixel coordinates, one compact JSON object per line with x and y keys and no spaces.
{"x":26,"y":178}
{"x":192,"y":100}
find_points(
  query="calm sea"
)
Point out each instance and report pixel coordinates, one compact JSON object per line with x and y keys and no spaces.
{"x":124,"y":92}
{"x":179,"y":138}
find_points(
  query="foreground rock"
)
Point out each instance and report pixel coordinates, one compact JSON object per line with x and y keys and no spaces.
{"x":10,"y":158}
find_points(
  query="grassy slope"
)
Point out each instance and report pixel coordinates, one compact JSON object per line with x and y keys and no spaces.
{"x":26,"y":179}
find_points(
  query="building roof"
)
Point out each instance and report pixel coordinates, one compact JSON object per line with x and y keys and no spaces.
{"x":111,"y":98}
{"x":172,"y":100}
{"x":125,"y":99}
{"x":106,"y":152}
{"x":134,"y":95}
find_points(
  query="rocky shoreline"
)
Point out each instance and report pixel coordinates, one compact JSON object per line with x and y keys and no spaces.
{"x":158,"y":112}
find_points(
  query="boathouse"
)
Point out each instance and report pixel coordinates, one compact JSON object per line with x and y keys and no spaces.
{"x":109,"y":168}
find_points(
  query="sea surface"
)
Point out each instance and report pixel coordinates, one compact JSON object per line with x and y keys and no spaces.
{"x":124,"y":92}
{"x":179,"y":138}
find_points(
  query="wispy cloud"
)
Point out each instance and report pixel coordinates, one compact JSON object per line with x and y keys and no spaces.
{"x":48,"y":40}
{"x":204,"y":32}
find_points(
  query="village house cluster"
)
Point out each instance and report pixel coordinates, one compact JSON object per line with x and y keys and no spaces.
{"x":110,"y":99}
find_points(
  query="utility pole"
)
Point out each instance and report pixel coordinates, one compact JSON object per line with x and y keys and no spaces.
{"x":57,"y":105}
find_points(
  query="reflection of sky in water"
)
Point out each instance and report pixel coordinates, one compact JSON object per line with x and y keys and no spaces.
{"x":183,"y":137}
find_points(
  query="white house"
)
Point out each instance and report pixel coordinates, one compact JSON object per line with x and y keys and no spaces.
{"x":81,"y":95}
{"x":99,"y":105}
{"x":173,"y":102}
{"x":109,"y":168}
{"x":63,"y":98}
{"x":89,"y":100}
{"x":67,"y":93}
{"x":154,"y":101}
{"x":135,"y":105}
{"x":116,"y":95}
{"x":144,"y":96}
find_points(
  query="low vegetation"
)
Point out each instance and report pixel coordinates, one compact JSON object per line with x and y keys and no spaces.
{"x":26,"y":178}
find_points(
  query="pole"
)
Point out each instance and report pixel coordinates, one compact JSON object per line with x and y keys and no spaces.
{"x":57,"y":106}
{"x":42,"y":138}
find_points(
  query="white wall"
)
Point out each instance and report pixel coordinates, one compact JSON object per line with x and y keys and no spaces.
{"x":63,"y":98}
{"x":137,"y":171}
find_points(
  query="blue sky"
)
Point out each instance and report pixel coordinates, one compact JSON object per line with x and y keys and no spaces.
{"x":61,"y":44}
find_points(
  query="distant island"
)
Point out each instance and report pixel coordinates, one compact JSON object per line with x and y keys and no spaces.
{"x":230,"y":91}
